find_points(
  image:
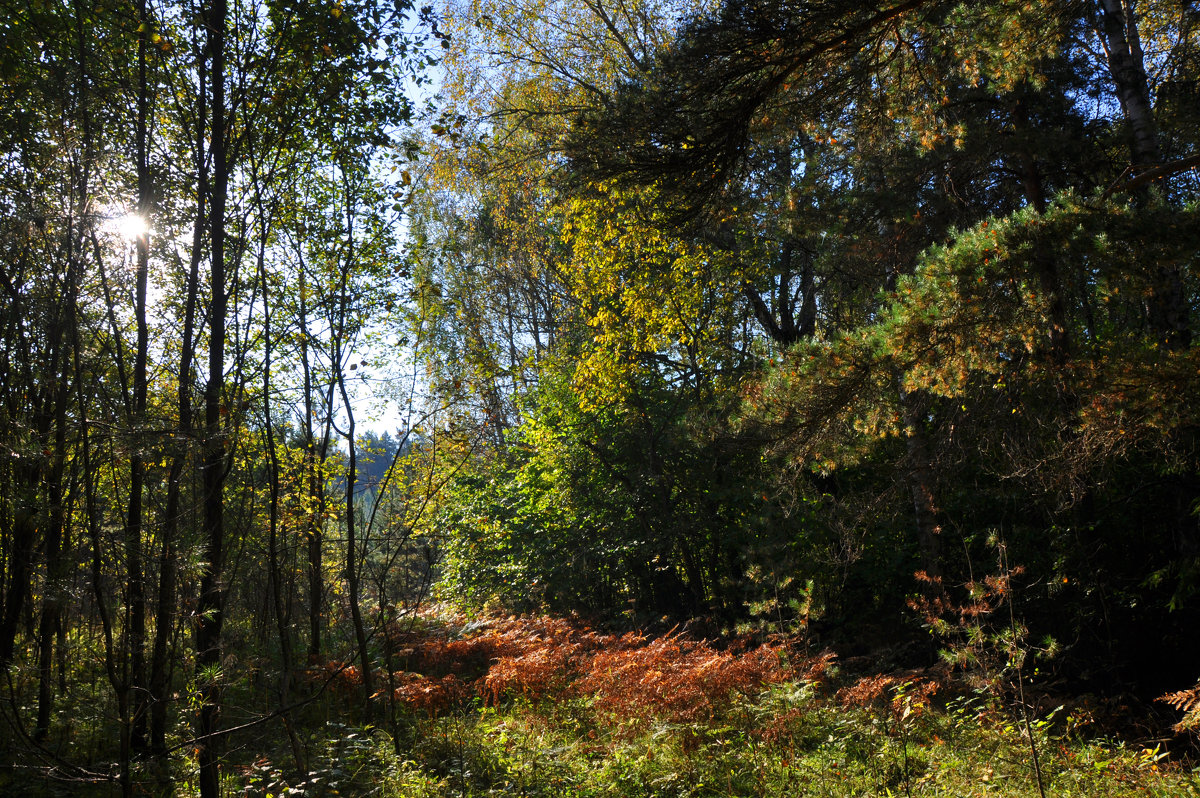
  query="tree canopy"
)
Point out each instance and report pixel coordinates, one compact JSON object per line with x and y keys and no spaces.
{"x":863,"y":288}
{"x":847,"y":323}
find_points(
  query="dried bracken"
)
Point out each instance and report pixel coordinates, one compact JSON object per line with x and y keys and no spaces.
{"x":430,"y":695}
{"x":905,"y":696}
{"x":678,"y":680}
{"x":671,"y":678}
{"x":1187,"y":702}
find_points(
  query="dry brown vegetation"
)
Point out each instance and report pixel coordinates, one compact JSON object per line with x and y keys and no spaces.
{"x":630,"y":675}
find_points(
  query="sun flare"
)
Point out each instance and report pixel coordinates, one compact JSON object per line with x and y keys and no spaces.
{"x":131,"y":226}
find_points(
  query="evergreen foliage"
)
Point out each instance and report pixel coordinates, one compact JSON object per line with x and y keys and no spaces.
{"x":885,"y":281}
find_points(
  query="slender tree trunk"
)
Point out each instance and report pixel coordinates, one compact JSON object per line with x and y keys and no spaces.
{"x":25,"y":476}
{"x":134,"y":536}
{"x":210,"y":607}
{"x":20,"y":567}
{"x":313,"y":484}
{"x":54,"y":596}
{"x":94,"y":526}
{"x":168,"y":559}
{"x":279,"y":606}
{"x":352,"y":580}
{"x":55,"y":419}
{"x":337,"y":358}
{"x":121,"y":673}
{"x":62,"y":339}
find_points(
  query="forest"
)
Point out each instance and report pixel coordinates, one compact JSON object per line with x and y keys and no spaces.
{"x":599,"y":398}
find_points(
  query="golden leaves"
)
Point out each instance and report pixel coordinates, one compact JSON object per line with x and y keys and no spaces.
{"x":643,"y":291}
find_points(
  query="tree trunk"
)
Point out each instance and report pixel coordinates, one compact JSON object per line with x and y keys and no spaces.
{"x":54,"y":418}
{"x":210,"y":607}
{"x":314,"y":485}
{"x":1123,"y":49}
{"x":168,"y":564}
{"x":1167,"y":309}
{"x":352,"y":580}
{"x":281,"y":610}
{"x":137,"y":467}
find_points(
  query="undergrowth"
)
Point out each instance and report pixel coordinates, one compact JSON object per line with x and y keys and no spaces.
{"x":549,"y":707}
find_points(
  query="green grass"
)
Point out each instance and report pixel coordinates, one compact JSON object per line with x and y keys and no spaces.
{"x":787,"y":742}
{"x":605,"y":720}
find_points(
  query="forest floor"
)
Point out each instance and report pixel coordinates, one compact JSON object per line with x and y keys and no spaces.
{"x":552,"y":707}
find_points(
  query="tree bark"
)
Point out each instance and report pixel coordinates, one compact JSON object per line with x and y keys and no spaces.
{"x":210,"y":606}
{"x":168,"y":564}
{"x":1123,"y":50}
{"x":135,"y":576}
{"x":1167,"y":310}
{"x":313,"y":484}
{"x":351,"y":566}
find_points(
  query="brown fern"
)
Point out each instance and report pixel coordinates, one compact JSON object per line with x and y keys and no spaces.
{"x":1187,"y":702}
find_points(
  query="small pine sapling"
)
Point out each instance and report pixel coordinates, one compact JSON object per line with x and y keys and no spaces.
{"x":985,"y":640}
